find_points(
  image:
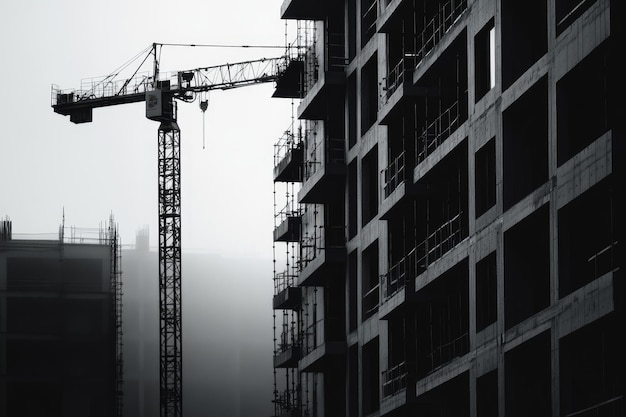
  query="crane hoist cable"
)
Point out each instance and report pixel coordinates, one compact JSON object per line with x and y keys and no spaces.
{"x":204,"y":104}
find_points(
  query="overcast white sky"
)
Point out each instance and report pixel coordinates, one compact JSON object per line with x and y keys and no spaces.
{"x":48,"y":164}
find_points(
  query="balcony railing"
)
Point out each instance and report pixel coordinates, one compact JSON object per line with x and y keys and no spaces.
{"x":399,"y":275}
{"x":439,"y":242}
{"x":289,"y":338}
{"x":447,"y":351}
{"x":311,"y":332}
{"x":309,"y":248}
{"x":371,"y":301}
{"x":603,"y":260}
{"x":335,"y":150}
{"x":435,"y":29}
{"x":399,"y":73}
{"x":321,"y":331}
{"x":336,"y":59}
{"x":285,"y":401}
{"x":323,"y":237}
{"x":438,"y":131}
{"x":609,"y":408}
{"x":368,"y":21}
{"x":284,"y":280}
{"x":333,"y":153}
{"x":394,"y":174}
{"x":287,"y":211}
{"x":289,"y":141}
{"x":394,"y":379}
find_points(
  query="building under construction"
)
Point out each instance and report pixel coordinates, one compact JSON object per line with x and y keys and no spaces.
{"x":60,"y":323}
{"x":449,"y":202}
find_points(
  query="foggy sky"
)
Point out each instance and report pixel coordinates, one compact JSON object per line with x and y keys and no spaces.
{"x":110,"y":165}
{"x":227,"y":334}
{"x":49,"y":166}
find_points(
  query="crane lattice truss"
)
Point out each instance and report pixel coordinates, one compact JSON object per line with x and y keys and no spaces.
{"x":108,"y":91}
{"x":160,"y":91}
{"x":170,"y":322}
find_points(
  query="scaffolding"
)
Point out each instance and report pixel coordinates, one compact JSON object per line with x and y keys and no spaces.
{"x":288,"y":173}
{"x":116,"y":291}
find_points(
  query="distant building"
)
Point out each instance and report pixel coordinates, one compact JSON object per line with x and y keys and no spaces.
{"x":450,"y":210}
{"x":141,"y":328}
{"x":60,"y":325}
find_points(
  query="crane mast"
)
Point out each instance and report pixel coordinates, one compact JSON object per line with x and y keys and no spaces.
{"x":160,"y":91}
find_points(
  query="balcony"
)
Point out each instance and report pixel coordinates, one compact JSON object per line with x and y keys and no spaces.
{"x":287,"y":357}
{"x":439,"y":242}
{"x":391,"y":15}
{"x":322,"y":89}
{"x":325,"y":61}
{"x":371,"y":302}
{"x":394,"y":175}
{"x":306,"y":9}
{"x":438,"y":26}
{"x":369,"y":16}
{"x":289,"y":229}
{"x":437,"y":131}
{"x":397,"y":284}
{"x":289,"y":83}
{"x":395,"y":379}
{"x":322,"y":343}
{"x":286,"y":294}
{"x":324,"y":179}
{"x":323,"y":256}
{"x":442,"y":319}
{"x":400,"y":75}
{"x":288,"y":298}
{"x":288,"y":157}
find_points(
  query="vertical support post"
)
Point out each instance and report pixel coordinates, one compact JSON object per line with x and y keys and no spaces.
{"x":171,"y":387}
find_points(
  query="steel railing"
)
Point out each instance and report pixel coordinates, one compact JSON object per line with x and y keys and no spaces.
{"x":368,"y":21}
{"x":435,"y":133}
{"x":285,"y":279}
{"x":439,"y":242}
{"x":371,"y":301}
{"x":394,"y":174}
{"x":436,"y":28}
{"x":289,"y":141}
{"x":610,"y":408}
{"x":394,"y":379}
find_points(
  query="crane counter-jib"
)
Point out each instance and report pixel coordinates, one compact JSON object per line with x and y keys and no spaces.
{"x":80,"y":111}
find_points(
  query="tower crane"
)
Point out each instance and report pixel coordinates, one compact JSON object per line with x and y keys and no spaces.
{"x":160,"y":92}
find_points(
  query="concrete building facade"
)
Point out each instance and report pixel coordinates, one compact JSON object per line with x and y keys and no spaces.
{"x":449,"y":209}
{"x":60,"y":325}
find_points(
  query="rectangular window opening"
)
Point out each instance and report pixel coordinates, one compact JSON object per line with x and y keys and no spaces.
{"x":485,"y":59}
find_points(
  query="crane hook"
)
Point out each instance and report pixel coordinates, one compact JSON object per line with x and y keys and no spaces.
{"x":204,"y":104}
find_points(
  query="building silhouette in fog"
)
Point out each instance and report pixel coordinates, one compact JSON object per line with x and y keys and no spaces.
{"x":449,"y":209}
{"x":141,"y":329}
{"x":60,"y":324}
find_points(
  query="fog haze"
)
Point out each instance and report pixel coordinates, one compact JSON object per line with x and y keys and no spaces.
{"x":53,"y":169}
{"x":50,"y":165}
{"x":227,"y":335}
